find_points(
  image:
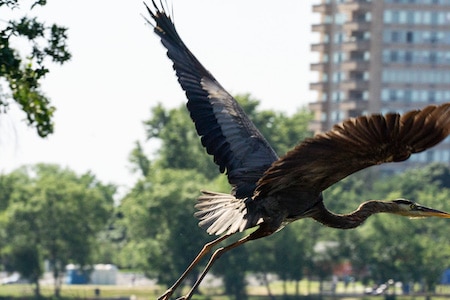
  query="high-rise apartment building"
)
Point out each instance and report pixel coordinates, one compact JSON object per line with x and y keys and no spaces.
{"x":381,"y":56}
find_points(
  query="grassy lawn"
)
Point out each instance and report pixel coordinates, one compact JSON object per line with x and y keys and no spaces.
{"x":23,"y":291}
{"x":81,"y":291}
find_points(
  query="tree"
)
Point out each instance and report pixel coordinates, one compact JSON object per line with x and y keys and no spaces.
{"x":283,"y":132}
{"x":55,"y":216}
{"x":181,"y":147}
{"x":164,"y":196}
{"x":232,"y":268}
{"x":139,"y":161}
{"x":23,"y":73}
{"x":392,"y":247}
{"x":163,"y":236}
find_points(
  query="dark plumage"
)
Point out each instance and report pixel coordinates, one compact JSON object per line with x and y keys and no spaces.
{"x":270,"y":192}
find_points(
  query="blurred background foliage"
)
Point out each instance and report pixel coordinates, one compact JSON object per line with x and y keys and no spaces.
{"x":50,"y":213}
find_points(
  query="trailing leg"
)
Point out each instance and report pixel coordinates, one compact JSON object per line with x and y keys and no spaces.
{"x":206,"y":249}
{"x":259,"y":233}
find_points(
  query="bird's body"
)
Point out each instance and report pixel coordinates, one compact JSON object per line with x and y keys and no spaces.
{"x":267,"y":191}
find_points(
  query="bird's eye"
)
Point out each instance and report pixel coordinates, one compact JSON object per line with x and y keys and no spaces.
{"x":413,"y":206}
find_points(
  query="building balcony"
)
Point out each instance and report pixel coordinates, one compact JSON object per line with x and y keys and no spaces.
{"x":347,"y":85}
{"x":353,"y":5}
{"x":318,"y":86}
{"x":317,"y":126}
{"x":349,"y":105}
{"x":323,"y":8}
{"x":355,"y":65}
{"x":349,"y":5}
{"x":322,"y":47}
{"x":346,"y":105}
{"x":348,"y":65}
{"x":353,"y":45}
{"x":322,"y":27}
{"x":318,"y":106}
{"x":359,"y":85}
{"x":356,"y":26}
{"x":319,"y":67}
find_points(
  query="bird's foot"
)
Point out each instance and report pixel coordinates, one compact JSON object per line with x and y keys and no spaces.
{"x":166,"y":295}
{"x":182,"y":298}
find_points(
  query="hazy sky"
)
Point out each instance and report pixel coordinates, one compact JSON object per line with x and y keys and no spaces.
{"x":119,"y":71}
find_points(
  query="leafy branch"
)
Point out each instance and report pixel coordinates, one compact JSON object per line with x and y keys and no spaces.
{"x":23,"y":73}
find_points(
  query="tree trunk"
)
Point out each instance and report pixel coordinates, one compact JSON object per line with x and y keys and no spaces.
{"x":57,"y":282}
{"x":308,"y":286}
{"x":266,"y":283}
{"x":37,"y":289}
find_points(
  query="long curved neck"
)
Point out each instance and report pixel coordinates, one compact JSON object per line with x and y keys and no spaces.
{"x":353,"y":219}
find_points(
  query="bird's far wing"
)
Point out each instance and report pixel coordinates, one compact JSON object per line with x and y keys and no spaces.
{"x":357,"y":143}
{"x":226,"y":132}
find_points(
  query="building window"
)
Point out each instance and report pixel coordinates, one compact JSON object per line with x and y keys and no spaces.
{"x":416,"y":37}
{"x":338,"y":77}
{"x":339,"y":38}
{"x":340,"y":18}
{"x":384,"y":95}
{"x":410,"y":17}
{"x":338,"y":96}
{"x":409,"y":37}
{"x":338,"y":57}
{"x":433,"y":57}
{"x":387,"y":16}
{"x":392,"y":95}
{"x":393,"y":57}
{"x":365,"y":96}
{"x":417,"y":17}
{"x":413,"y":95}
{"x":416,"y":76}
{"x":337,"y":116}
{"x":408,"y":56}
{"x":395,"y":36}
{"x":426,"y":17}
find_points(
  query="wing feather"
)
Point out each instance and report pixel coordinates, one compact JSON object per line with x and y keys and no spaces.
{"x":358,"y":143}
{"x":237,"y":146}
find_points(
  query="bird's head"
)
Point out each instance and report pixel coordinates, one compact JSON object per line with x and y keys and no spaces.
{"x":411,"y":209}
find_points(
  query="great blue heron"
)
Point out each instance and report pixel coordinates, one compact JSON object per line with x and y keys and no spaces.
{"x":268,"y":191}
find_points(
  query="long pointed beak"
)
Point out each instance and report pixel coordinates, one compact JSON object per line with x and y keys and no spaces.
{"x":430,"y":212}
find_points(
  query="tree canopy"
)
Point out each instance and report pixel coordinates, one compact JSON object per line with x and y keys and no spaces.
{"x":51,"y":214}
{"x":21,"y":73}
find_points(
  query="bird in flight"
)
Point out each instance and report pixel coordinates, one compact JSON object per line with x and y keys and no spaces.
{"x":268,"y":191}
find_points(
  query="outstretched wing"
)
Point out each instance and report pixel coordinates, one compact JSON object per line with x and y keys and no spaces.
{"x":226,"y":132}
{"x":357,"y":143}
